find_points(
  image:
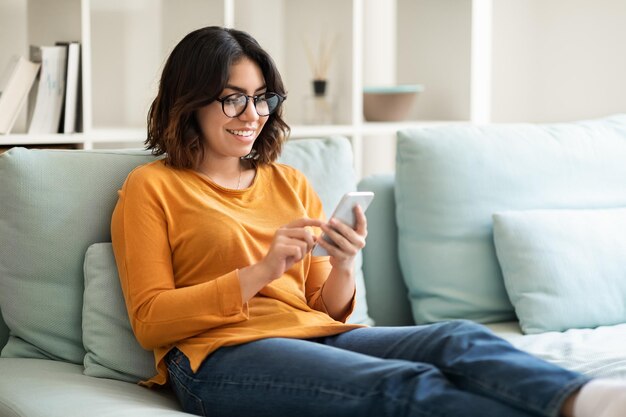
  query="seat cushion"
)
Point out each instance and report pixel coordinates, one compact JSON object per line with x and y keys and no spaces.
{"x":46,"y":388}
{"x":451,"y":179}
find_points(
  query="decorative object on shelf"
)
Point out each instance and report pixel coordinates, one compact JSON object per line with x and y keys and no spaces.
{"x":319,"y":108}
{"x":320,"y":63}
{"x":70,"y":116}
{"x":319,"y":87}
{"x":389,"y":104}
{"x":46,"y":101}
{"x":15,"y":83}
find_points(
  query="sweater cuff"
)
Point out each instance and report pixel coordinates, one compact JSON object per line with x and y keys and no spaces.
{"x":230,"y":294}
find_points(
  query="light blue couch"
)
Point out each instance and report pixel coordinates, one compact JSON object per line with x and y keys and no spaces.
{"x":431,"y":254}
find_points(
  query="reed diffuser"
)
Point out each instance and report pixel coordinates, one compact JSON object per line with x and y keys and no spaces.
{"x":320,"y":62}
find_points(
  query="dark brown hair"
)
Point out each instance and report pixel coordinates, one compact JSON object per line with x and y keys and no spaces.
{"x":195,"y":74}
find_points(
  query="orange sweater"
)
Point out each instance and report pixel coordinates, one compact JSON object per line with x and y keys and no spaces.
{"x":179,"y":240}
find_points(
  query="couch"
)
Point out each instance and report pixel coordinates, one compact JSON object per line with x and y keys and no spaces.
{"x":452,"y":235}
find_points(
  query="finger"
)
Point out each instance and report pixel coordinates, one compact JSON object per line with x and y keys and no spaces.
{"x":352,"y":241}
{"x":303,"y":247}
{"x":335,"y":251}
{"x":339,"y":233}
{"x":291,"y":253}
{"x":299,"y":234}
{"x":361,"y":221}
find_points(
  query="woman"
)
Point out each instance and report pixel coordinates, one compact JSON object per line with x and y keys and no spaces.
{"x":213,"y":248}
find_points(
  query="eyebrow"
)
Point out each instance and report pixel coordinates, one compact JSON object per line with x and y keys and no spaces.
{"x":243,"y":90}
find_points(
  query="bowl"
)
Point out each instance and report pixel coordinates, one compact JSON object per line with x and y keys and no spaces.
{"x":389,"y":104}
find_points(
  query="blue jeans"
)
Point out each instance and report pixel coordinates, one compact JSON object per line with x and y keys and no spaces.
{"x":453,"y":369}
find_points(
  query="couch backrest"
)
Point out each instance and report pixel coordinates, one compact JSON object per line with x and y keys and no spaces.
{"x":451,"y":180}
{"x":55,"y":204}
{"x":387,"y":296}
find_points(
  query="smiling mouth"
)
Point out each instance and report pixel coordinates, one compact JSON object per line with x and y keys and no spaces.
{"x":242,"y":133}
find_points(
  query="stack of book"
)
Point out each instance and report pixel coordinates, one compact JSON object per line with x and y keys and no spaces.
{"x":51,"y":81}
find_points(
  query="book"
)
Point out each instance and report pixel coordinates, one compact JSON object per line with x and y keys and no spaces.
{"x":46,"y":101}
{"x":15,"y":83}
{"x":70,"y":111}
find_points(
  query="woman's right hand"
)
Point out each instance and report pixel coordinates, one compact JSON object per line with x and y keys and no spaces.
{"x":290,"y":245}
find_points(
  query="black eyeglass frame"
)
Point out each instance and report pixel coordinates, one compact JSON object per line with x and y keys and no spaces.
{"x":281,"y":99}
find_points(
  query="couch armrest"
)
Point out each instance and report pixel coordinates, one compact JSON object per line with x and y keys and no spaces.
{"x":387,"y":296}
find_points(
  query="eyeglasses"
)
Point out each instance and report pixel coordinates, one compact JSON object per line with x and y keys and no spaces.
{"x":233,"y":105}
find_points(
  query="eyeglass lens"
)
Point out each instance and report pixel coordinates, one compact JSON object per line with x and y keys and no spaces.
{"x":235,"y":104}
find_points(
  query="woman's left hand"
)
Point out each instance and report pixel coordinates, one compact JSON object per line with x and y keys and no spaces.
{"x":347,"y":241}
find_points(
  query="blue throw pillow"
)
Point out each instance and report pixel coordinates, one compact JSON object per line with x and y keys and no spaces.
{"x":563,"y":268}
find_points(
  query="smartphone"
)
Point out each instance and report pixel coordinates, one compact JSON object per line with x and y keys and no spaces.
{"x":344,"y":212}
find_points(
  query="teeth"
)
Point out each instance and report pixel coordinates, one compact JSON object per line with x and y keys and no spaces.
{"x":244,"y":133}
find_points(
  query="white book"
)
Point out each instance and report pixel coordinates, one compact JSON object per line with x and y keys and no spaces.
{"x":15,"y":83}
{"x":48,"y":100}
{"x":69,"y":117}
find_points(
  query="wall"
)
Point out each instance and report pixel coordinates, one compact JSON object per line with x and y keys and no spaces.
{"x":558,"y":60}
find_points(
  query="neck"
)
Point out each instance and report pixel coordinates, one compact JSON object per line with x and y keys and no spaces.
{"x":227,"y":175}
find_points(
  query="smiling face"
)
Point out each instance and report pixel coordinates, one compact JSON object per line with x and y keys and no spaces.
{"x":227,"y":137}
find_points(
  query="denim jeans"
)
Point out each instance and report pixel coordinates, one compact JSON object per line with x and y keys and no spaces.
{"x":452,"y":369}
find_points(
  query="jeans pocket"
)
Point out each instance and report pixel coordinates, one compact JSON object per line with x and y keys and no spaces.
{"x":182,"y":383}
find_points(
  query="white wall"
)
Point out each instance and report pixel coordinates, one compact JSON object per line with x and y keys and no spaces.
{"x":434,"y":49}
{"x":13,"y":32}
{"x":558,"y":60}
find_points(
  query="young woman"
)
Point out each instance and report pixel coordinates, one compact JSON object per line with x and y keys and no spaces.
{"x":213,"y":248}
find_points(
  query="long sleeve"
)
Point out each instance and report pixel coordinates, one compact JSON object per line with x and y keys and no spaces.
{"x":160,"y":313}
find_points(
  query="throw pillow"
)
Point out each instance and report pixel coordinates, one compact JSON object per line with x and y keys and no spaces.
{"x":112,"y":350}
{"x":563,"y":268}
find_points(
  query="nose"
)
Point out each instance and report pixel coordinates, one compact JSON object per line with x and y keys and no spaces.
{"x":250,"y":112}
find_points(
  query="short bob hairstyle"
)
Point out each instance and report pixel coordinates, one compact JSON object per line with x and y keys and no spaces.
{"x":194,"y":76}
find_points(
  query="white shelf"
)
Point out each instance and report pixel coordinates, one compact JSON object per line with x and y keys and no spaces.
{"x":386,"y":128}
{"x":22,"y":139}
{"x":303,"y":131}
{"x":125,"y":44}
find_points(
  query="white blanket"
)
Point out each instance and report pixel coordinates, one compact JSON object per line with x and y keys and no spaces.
{"x":594,"y":352}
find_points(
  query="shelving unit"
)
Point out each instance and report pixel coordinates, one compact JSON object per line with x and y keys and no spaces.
{"x":125,"y":43}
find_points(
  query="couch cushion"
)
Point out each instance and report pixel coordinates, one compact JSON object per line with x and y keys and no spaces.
{"x":451,"y":179}
{"x":54,"y":205}
{"x":45,"y":388}
{"x":563,"y":268}
{"x":112,"y":350}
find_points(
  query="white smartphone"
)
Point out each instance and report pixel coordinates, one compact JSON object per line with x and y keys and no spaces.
{"x":344,"y":212}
